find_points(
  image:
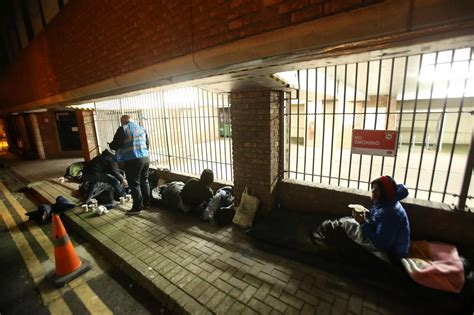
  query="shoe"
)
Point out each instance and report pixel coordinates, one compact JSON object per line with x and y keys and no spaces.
{"x":133,"y":212}
{"x":146,"y":207}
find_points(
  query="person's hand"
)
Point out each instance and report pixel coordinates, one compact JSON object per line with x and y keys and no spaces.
{"x":358,"y":216}
{"x":124,"y":183}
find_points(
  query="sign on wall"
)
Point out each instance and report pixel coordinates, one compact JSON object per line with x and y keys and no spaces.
{"x":374,"y":142}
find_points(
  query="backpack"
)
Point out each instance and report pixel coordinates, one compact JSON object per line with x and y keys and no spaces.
{"x":224,"y":215}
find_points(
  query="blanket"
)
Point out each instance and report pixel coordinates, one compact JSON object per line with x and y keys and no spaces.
{"x":435,"y":265}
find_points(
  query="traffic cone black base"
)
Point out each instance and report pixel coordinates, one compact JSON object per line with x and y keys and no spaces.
{"x":61,"y":281}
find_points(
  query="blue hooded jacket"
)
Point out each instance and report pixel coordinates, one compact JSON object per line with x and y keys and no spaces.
{"x":388,"y":227}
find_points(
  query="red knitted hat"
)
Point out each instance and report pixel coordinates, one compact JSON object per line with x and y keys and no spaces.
{"x":387,"y":187}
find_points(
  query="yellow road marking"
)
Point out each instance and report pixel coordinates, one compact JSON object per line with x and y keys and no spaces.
{"x":90,"y":300}
{"x":50,"y":296}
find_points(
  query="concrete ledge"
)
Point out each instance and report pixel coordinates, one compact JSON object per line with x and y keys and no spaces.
{"x":428,"y":220}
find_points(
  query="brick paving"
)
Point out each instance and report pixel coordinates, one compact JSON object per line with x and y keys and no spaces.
{"x":195,"y":267}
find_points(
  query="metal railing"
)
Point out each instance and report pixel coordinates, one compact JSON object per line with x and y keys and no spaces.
{"x":427,"y":98}
{"x":189,"y":129}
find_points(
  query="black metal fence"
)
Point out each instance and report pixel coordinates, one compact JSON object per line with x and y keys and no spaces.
{"x":427,"y":98}
{"x":189,"y":128}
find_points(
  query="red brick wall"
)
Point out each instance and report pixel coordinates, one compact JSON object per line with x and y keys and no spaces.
{"x":85,"y":123}
{"x":49,"y":135}
{"x":91,"y":40}
{"x":255,"y":144}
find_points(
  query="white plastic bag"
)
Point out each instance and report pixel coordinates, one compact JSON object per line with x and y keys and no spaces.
{"x":246,"y":210}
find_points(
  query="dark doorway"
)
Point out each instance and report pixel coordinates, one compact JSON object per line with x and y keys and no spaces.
{"x":68,"y":132}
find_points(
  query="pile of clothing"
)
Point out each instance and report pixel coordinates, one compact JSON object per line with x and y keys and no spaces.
{"x":43,"y":213}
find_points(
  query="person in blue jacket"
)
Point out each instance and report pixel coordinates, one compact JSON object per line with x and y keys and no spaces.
{"x":387,"y":226}
{"x":131,"y":145}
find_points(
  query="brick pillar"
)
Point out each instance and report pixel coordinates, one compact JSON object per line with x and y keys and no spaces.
{"x":256,"y":143}
{"x":85,"y":123}
{"x":37,"y":137}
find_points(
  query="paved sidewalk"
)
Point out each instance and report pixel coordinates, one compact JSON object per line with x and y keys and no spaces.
{"x":195,"y":267}
{"x":199,"y":268}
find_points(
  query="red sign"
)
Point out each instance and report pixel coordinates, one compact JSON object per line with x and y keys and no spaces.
{"x":374,"y":142}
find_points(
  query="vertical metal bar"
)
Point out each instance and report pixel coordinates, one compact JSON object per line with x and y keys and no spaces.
{"x":333,"y":122}
{"x":413,"y":121}
{"x":165,"y":120}
{"x":169,"y":128}
{"x":224,"y":142}
{"x":363,"y":118}
{"x":181,"y":137}
{"x":426,"y":126}
{"x":157,"y":126}
{"x":306,"y":127}
{"x":202,"y":128}
{"x":95,"y":115}
{"x":218,"y":139}
{"x":192,"y":140}
{"x":183,"y":127}
{"x":157,"y":123}
{"x":209,"y":157}
{"x":388,"y":108}
{"x":230,"y":141}
{"x":178,"y":130}
{"x":461,"y":105}
{"x":203,"y":131}
{"x":213,"y":118}
{"x":353,"y":118}
{"x":438,"y":142}
{"x":376,"y":118}
{"x":288,"y":113}
{"x":197,"y":129}
{"x":188,"y":135}
{"x":324,"y":124}
{"x":343,"y":123}
{"x":315,"y":119}
{"x":281,"y":117}
{"x":298,"y":124}
{"x":467,"y":174}
{"x":401,"y":112}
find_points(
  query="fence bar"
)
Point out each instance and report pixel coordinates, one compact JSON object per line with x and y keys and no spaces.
{"x":376,"y":116}
{"x":298,"y":123}
{"x":467,"y":173}
{"x":281,"y":157}
{"x":388,"y":108}
{"x":324,"y":122}
{"x":333,"y":122}
{"x":401,"y":112}
{"x":461,"y":105}
{"x":426,"y":125}
{"x":315,"y":119}
{"x":363,"y":120}
{"x":306,"y":125}
{"x":343,"y":123}
{"x":413,"y":120}
{"x":353,"y":119}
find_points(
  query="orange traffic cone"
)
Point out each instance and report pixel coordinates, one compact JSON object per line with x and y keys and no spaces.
{"x":68,"y":263}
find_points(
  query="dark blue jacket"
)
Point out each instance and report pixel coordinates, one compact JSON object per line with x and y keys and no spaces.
{"x":388,"y":227}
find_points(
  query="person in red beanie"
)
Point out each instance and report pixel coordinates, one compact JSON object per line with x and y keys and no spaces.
{"x":386,"y":225}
